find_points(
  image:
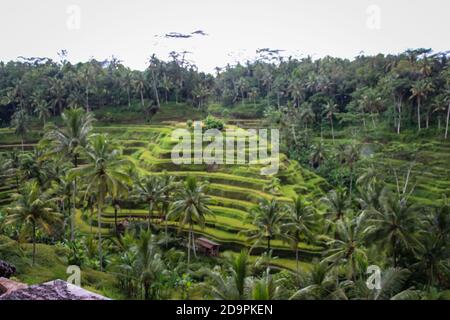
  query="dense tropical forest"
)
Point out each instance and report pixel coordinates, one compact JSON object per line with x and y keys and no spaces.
{"x":87,"y":179}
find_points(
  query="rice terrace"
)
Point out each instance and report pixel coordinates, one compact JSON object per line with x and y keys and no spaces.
{"x":276,"y":177}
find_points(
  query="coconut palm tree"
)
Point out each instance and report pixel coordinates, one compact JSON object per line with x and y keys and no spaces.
{"x":393,"y":226}
{"x":318,"y":155}
{"x":320,"y":283}
{"x":58,"y":94}
{"x":33,"y":209}
{"x":433,"y":256}
{"x":166,"y":83}
{"x":150,"y":190}
{"x":301,"y":221}
{"x":139,"y":86}
{"x":330,"y":109}
{"x":420,"y":90}
{"x":268,"y":218}
{"x":190,"y":208}
{"x":68,"y":141}
{"x":441,"y":106}
{"x":148,"y":264}
{"x":104,"y":175}
{"x":307,"y":114}
{"x":233,"y":285}
{"x":12,"y":162}
{"x":169,"y":187}
{"x":347,"y":248}
{"x":265,"y":288}
{"x":337,"y":203}
{"x":392,"y":287}
{"x":20,"y":123}
{"x":41,"y":108}
{"x":350,"y":156}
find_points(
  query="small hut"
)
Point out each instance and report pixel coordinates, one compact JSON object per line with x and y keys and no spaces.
{"x":207,"y":247}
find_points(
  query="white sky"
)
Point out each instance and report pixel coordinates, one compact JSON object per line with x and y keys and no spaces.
{"x":236,"y":28}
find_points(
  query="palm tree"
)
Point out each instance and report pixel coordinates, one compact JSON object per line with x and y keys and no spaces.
{"x":33,"y":209}
{"x":191,"y":207}
{"x":169,"y":187}
{"x":348,"y":246}
{"x":104,"y":175}
{"x":265,"y":288}
{"x":330,"y":109}
{"x":68,"y":140}
{"x":337,"y":203}
{"x":318,"y":155}
{"x":300,"y":224}
{"x":149,"y":264}
{"x":167,"y":85}
{"x":392,"y":283}
{"x":350,"y":155}
{"x":234,"y":285}
{"x":307,"y":114}
{"x":320,"y":283}
{"x":433,"y":255}
{"x":441,"y":105}
{"x":268,"y":218}
{"x":150,"y":190}
{"x":154,"y":65}
{"x":296,"y":90}
{"x":139,"y":85}
{"x":393,"y":225}
{"x":20,"y":123}
{"x":420,"y":91}
{"x":127,"y":81}
{"x":58,"y":94}
{"x":12,"y":162}
{"x":41,"y":108}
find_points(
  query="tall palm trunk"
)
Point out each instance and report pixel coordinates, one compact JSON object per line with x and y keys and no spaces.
{"x":74,"y":200}
{"x":189,"y":245}
{"x":34,"y":242}
{"x":193,"y":244}
{"x":418,"y":113}
{"x":332,"y":129}
{"x":150,"y":215}
{"x":74,"y":210}
{"x":87,"y":99}
{"x":142,"y":97}
{"x":446,"y":123}
{"x":155,"y":90}
{"x":99,"y":224}
{"x":128,"y":95}
{"x":115,"y":220}
{"x":268,"y":245}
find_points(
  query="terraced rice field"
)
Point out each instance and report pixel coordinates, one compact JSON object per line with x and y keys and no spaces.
{"x":429,"y":158}
{"x":234,"y":189}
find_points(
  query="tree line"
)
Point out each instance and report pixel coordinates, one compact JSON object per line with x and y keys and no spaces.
{"x":407,"y":90}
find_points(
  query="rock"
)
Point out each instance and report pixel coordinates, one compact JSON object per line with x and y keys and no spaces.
{"x":6,"y":269}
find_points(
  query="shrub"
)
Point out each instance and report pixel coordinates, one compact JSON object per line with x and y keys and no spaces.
{"x":211,"y":122}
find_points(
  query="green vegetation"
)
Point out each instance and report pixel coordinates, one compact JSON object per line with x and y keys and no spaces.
{"x":88,"y":179}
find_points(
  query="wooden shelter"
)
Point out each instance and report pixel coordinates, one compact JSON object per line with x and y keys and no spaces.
{"x":207,"y":247}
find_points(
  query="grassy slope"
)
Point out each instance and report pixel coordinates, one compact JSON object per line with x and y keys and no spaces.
{"x":51,"y":264}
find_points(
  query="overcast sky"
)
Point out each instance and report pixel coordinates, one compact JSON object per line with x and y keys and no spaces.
{"x":134,"y":29}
